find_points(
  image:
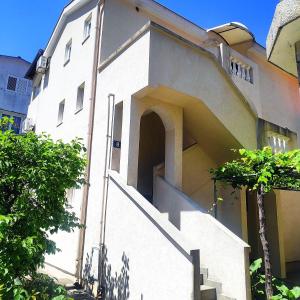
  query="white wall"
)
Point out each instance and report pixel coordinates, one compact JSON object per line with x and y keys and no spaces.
{"x":132,"y":65}
{"x":121,"y":21}
{"x":225,"y":254}
{"x":146,"y":253}
{"x":193,"y":72}
{"x":62,"y":84}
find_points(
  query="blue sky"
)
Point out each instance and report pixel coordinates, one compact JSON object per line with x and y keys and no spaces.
{"x":26,"y":25}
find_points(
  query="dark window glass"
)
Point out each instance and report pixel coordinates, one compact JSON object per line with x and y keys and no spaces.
{"x":11,"y":83}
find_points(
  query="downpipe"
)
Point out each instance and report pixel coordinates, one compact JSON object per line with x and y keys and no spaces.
{"x":107,"y":167}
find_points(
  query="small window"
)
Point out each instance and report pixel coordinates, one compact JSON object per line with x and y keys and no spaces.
{"x":68,"y":52}
{"x":87,"y":27}
{"x":80,"y":98}
{"x":61,"y":109}
{"x":16,"y":125}
{"x":11,"y":83}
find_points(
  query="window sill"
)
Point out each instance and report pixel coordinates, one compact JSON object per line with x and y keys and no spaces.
{"x":78,"y":111}
{"x":85,"y":39}
{"x":66,"y":62}
{"x":59,"y":124}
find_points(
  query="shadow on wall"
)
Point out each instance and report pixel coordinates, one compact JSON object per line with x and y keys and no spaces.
{"x":116,"y":285}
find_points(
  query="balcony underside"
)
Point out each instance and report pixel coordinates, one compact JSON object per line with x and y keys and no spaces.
{"x":283,"y":34}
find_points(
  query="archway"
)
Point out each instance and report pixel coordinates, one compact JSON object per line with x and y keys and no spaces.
{"x":151,"y":151}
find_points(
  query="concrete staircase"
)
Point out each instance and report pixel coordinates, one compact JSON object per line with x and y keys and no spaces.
{"x":211,"y":290}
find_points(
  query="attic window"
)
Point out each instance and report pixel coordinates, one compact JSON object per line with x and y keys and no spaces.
{"x":11,"y":83}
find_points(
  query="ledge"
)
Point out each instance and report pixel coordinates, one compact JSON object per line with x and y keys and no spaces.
{"x":85,"y":39}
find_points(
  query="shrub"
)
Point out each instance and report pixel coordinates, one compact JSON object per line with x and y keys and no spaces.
{"x":258,"y":281}
{"x":35,"y":173}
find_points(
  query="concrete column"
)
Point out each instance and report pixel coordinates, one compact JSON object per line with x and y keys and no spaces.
{"x":130,"y":142}
{"x":173,"y":157}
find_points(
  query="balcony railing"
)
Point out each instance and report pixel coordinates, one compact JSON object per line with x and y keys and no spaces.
{"x":240,"y":69}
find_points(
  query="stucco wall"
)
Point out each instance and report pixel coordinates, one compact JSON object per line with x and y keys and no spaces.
{"x":189,"y":70}
{"x":225,"y":255}
{"x":198,"y":185}
{"x":148,"y":262}
{"x":196,"y":179}
{"x":121,"y":21}
{"x":62,"y":84}
{"x":132,"y":65}
{"x":278,"y":92}
{"x":290,"y":210}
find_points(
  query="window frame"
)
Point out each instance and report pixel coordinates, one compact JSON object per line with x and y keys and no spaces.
{"x":60,"y":114}
{"x":16,"y":84}
{"x":13,"y":115}
{"x":81,"y":88}
{"x":87,"y":25}
{"x":68,"y":52}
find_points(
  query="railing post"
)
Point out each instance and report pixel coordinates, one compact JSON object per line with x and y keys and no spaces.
{"x":215,"y":200}
{"x":195,"y":254}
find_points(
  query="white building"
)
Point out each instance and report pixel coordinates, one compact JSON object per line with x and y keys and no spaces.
{"x":15,"y":89}
{"x":158,"y":102}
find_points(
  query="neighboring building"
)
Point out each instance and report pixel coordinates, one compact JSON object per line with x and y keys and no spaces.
{"x":159,"y":101}
{"x":15,"y":89}
{"x":283,"y":42}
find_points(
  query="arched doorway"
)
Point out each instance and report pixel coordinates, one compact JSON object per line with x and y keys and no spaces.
{"x":151,"y":151}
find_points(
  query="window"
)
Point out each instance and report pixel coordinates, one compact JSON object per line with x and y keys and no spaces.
{"x":18,"y":85}
{"x":16,"y":126}
{"x":11,"y":83}
{"x":68,"y":52}
{"x":80,"y":98}
{"x":87,"y":28}
{"x":61,"y":109}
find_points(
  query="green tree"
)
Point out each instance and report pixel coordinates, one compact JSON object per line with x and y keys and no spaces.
{"x":262,"y":171}
{"x":35,"y":173}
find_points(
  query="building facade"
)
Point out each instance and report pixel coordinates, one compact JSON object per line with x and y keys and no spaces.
{"x":158,"y":102}
{"x":15,"y":89}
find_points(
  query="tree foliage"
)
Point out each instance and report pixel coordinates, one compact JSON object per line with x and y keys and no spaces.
{"x":35,"y":173}
{"x":262,"y":167}
{"x":263,"y":171}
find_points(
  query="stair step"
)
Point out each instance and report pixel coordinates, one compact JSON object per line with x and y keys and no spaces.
{"x":214,"y":284}
{"x":223,"y":297}
{"x":208,"y":292}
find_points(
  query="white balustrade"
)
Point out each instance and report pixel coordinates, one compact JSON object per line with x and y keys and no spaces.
{"x":240,"y":69}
